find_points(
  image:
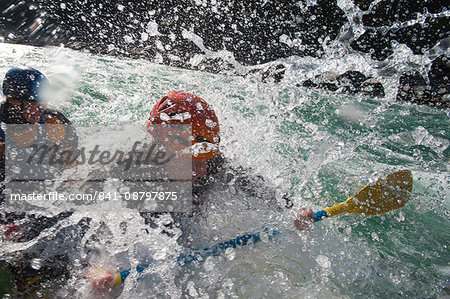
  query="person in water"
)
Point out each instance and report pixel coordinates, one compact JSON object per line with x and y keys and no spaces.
{"x":27,"y":121}
{"x":202,"y":150}
{"x":209,"y":166}
{"x":31,"y":121}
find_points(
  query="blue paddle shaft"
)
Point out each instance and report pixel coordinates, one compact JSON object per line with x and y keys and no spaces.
{"x":219,"y":248}
{"x":319,"y":215}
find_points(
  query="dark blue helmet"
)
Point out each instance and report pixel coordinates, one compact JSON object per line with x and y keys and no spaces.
{"x":24,"y":83}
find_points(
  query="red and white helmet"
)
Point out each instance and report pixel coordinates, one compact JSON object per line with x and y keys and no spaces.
{"x":181,"y":108}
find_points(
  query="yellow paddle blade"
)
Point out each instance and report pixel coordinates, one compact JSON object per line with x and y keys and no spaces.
{"x":381,"y":197}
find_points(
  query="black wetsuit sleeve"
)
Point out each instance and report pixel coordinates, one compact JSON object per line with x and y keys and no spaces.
{"x":250,"y":184}
{"x":256,"y":186}
{"x":243,"y":180}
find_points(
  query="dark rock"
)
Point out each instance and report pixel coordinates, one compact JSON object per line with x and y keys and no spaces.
{"x":254,"y":32}
{"x":411,"y":79}
{"x":390,"y":21}
{"x":351,"y":82}
{"x":376,"y":42}
{"x":439,"y":73}
{"x":309,"y":83}
{"x":274,"y":74}
{"x":371,"y":87}
{"x":326,"y":80}
{"x":386,"y":13}
{"x":413,"y":88}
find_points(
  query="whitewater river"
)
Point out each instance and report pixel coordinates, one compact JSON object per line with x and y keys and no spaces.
{"x":319,"y":147}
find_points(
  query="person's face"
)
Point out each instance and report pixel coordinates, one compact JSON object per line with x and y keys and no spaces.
{"x":32,"y":111}
{"x":181,"y":138}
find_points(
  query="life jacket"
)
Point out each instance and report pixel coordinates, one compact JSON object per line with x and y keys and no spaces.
{"x":54,"y":126}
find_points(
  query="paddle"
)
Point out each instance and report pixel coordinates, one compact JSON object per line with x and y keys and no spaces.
{"x":375,"y":199}
{"x":379,"y":198}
